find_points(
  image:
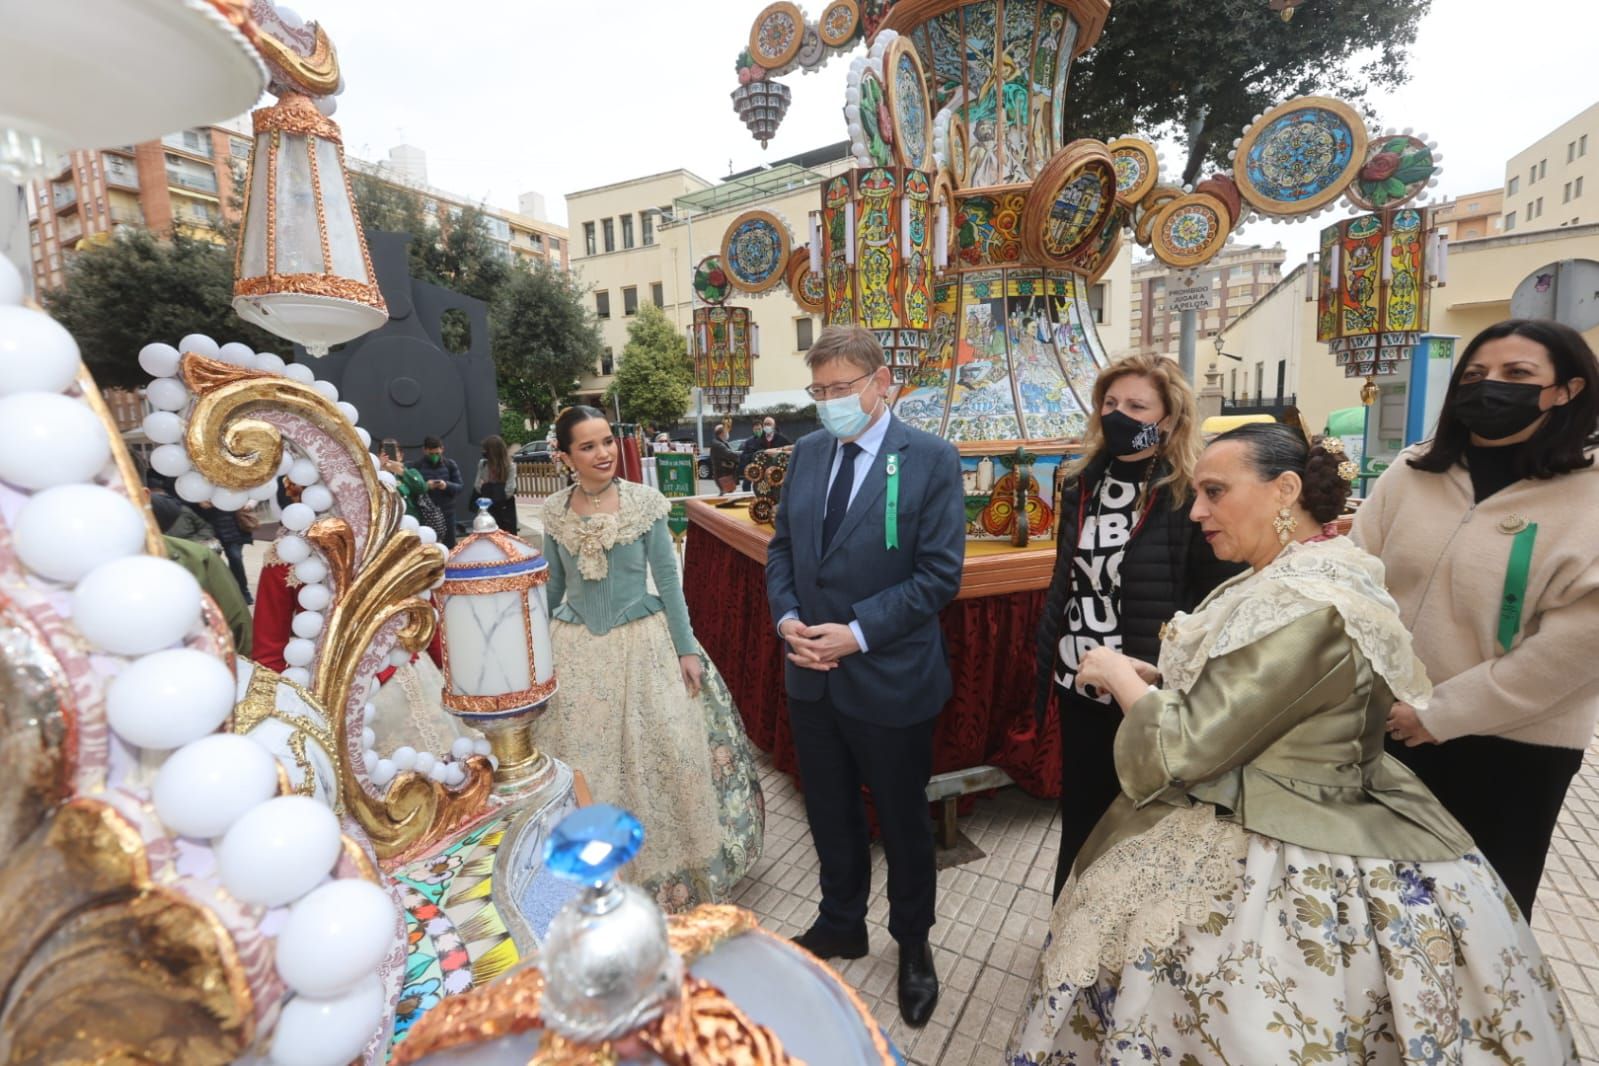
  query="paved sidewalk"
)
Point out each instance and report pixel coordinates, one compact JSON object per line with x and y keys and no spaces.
{"x":993,"y":914}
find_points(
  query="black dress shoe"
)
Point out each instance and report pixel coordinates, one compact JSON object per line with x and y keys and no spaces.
{"x":826,"y":944}
{"x":918,"y":983}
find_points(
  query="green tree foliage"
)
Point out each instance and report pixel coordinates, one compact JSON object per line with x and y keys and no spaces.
{"x":1203,"y":69}
{"x":655,"y":374}
{"x":544,"y":340}
{"x":137,"y":288}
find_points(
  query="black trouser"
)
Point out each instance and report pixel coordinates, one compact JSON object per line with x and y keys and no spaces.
{"x":1505,"y":793}
{"x":234,"y":553}
{"x":837,"y":755}
{"x":1088,"y":782}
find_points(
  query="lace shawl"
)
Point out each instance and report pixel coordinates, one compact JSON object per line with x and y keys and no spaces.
{"x":1303,"y":579}
{"x":590,"y":538}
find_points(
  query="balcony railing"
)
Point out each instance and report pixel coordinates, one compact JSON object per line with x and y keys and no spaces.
{"x":194,"y":145}
{"x":69,"y":230}
{"x":200,"y":182}
{"x":120,"y":172}
{"x":64,"y":196}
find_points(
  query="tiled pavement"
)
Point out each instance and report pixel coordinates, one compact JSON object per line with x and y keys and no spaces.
{"x":993,"y":913}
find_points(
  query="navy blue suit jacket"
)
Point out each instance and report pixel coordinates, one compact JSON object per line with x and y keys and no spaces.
{"x":895,"y":594}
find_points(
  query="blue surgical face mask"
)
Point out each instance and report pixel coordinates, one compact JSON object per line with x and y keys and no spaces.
{"x":843,"y":417}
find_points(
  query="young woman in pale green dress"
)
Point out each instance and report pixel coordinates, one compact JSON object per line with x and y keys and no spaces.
{"x":640,"y":710}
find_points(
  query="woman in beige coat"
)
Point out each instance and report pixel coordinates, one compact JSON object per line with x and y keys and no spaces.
{"x":1490,"y":536}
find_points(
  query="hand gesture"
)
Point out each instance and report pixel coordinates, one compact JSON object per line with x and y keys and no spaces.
{"x":693,"y":674}
{"x":1404,"y":725}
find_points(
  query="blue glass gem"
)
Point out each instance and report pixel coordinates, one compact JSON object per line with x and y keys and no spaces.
{"x":484,"y":503}
{"x":592,"y":843}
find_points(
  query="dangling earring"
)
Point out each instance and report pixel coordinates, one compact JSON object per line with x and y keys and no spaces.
{"x":1284,"y":525}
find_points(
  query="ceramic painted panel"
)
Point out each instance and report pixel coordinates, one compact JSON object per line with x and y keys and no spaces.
{"x":1016,"y":62}
{"x":877,"y":249}
{"x":985,"y":89}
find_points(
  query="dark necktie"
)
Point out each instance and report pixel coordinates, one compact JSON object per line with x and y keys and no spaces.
{"x":838,"y":495}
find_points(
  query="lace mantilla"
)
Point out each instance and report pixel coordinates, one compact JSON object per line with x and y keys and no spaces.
{"x":1303,"y":579}
{"x":590,"y":538}
{"x":1141,"y":892}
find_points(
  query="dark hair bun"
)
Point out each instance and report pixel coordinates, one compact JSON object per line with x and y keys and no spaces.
{"x":1325,"y":491}
{"x":569,"y":419}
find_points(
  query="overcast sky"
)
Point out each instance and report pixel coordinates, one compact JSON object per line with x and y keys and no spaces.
{"x":507,"y":96}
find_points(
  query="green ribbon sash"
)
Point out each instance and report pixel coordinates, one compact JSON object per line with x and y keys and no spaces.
{"x":1515,"y":593}
{"x":891,"y":509}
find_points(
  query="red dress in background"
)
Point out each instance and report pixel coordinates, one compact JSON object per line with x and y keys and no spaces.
{"x":276,"y":604}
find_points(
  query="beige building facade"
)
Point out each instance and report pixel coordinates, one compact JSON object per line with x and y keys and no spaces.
{"x":1555,"y":181}
{"x":640,"y":240}
{"x":1277,"y":337}
{"x":1237,"y":278}
{"x":1471,"y":217}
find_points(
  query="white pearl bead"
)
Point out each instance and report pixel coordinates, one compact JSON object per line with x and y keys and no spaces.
{"x":159,"y":360}
{"x":304,"y":472}
{"x":481,"y":746}
{"x":37,"y":354}
{"x":315,"y":597}
{"x":404,"y":757}
{"x":366,"y":438}
{"x":238,"y":354}
{"x":409,"y":522}
{"x":167,"y":394}
{"x":268,"y":363}
{"x":298,"y":517}
{"x":369,"y":759}
{"x":299,"y":652}
{"x":299,"y":372}
{"x":386,"y":479}
{"x":64,"y":532}
{"x":455,"y":775}
{"x":10,"y":283}
{"x":439,"y":771}
{"x":286,"y":463}
{"x":163,"y":427}
{"x":427,"y":535}
{"x":206,"y":786}
{"x":328,"y":390}
{"x":278,"y":851}
{"x":339,"y":933}
{"x":136,"y":605}
{"x":169,"y":698}
{"x":307,"y":624}
{"x":194,"y":487}
{"x":384,"y":772}
{"x":265,"y":491}
{"x":494,"y":762}
{"x":312,"y":571}
{"x":318,"y":498}
{"x":199,"y":344}
{"x":293,"y":549}
{"x":462,"y":748}
{"x":229,"y":499}
{"x":425,"y":761}
{"x":298,"y":674}
{"x":48,"y":440}
{"x":369,"y":739}
{"x":328,"y":1032}
{"x":351,"y":415}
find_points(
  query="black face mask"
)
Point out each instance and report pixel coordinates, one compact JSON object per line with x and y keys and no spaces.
{"x":1125,"y":434}
{"x":1495,"y":410}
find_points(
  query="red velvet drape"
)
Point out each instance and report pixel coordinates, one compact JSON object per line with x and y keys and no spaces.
{"x":987,"y":721}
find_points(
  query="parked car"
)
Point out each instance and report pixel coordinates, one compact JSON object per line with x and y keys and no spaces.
{"x":531,"y":451}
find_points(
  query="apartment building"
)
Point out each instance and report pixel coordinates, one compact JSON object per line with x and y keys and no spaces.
{"x":1555,"y":181}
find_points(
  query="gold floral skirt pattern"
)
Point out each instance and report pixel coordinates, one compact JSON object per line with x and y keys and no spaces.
{"x":1302,"y":957}
{"x":682,"y":765}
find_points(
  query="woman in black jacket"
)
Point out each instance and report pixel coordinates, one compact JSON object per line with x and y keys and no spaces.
{"x":1127,"y":559}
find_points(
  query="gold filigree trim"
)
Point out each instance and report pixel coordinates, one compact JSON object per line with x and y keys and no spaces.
{"x":700,"y":931}
{"x":494,"y":704}
{"x":317,"y":73}
{"x":486,"y":585}
{"x":260,"y":703}
{"x":295,"y":114}
{"x":330,"y":285}
{"x":708,"y":1029}
{"x":317,"y":197}
{"x":879,"y":1041}
{"x":503,"y":1008}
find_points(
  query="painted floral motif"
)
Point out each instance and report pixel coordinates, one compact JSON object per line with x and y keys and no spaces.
{"x":1300,"y":155}
{"x":839,"y":22}
{"x":776,"y":37}
{"x":910,"y":98}
{"x":1306,"y":958}
{"x":710,"y":280}
{"x":1129,"y":169}
{"x":1190,"y":228}
{"x":1397,"y":168}
{"x":755,"y":252}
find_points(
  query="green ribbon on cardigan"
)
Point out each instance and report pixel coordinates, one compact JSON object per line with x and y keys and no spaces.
{"x":1515,"y":594}
{"x":891,"y":509}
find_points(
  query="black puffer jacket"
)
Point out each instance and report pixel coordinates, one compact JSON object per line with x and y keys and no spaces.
{"x":1168,"y":567}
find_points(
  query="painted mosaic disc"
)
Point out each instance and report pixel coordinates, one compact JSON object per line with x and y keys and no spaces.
{"x":1190,"y":230}
{"x":755,"y":251}
{"x":1300,"y":156}
{"x":839,"y":23}
{"x":807,"y":287}
{"x":1071,"y":201}
{"x":908,"y":105}
{"x":1137,"y":168}
{"x":776,"y":37}
{"x":710,"y":280}
{"x":1396,"y":171}
{"x":1149,"y":210}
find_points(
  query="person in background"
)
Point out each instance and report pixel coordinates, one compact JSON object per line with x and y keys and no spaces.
{"x":443,"y":478}
{"x":411,"y":484}
{"x":752,"y":446}
{"x":724,"y":460}
{"x":231,"y":533}
{"x":178,"y":519}
{"x":1488,"y":535}
{"x":209,"y":570}
{"x":496,"y":482}
{"x":1128,"y":559}
{"x":774,"y":439}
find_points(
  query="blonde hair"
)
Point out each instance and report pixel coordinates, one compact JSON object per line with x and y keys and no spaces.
{"x":855,"y":345}
{"x":1181,"y":444}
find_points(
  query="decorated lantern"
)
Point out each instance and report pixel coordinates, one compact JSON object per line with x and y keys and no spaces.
{"x":726,"y":341}
{"x":499,"y":672}
{"x":303,"y":271}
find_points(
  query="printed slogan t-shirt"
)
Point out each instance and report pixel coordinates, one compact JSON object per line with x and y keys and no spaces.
{"x":1093,"y":611}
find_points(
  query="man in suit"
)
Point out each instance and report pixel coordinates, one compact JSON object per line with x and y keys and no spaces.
{"x":870,"y":539}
